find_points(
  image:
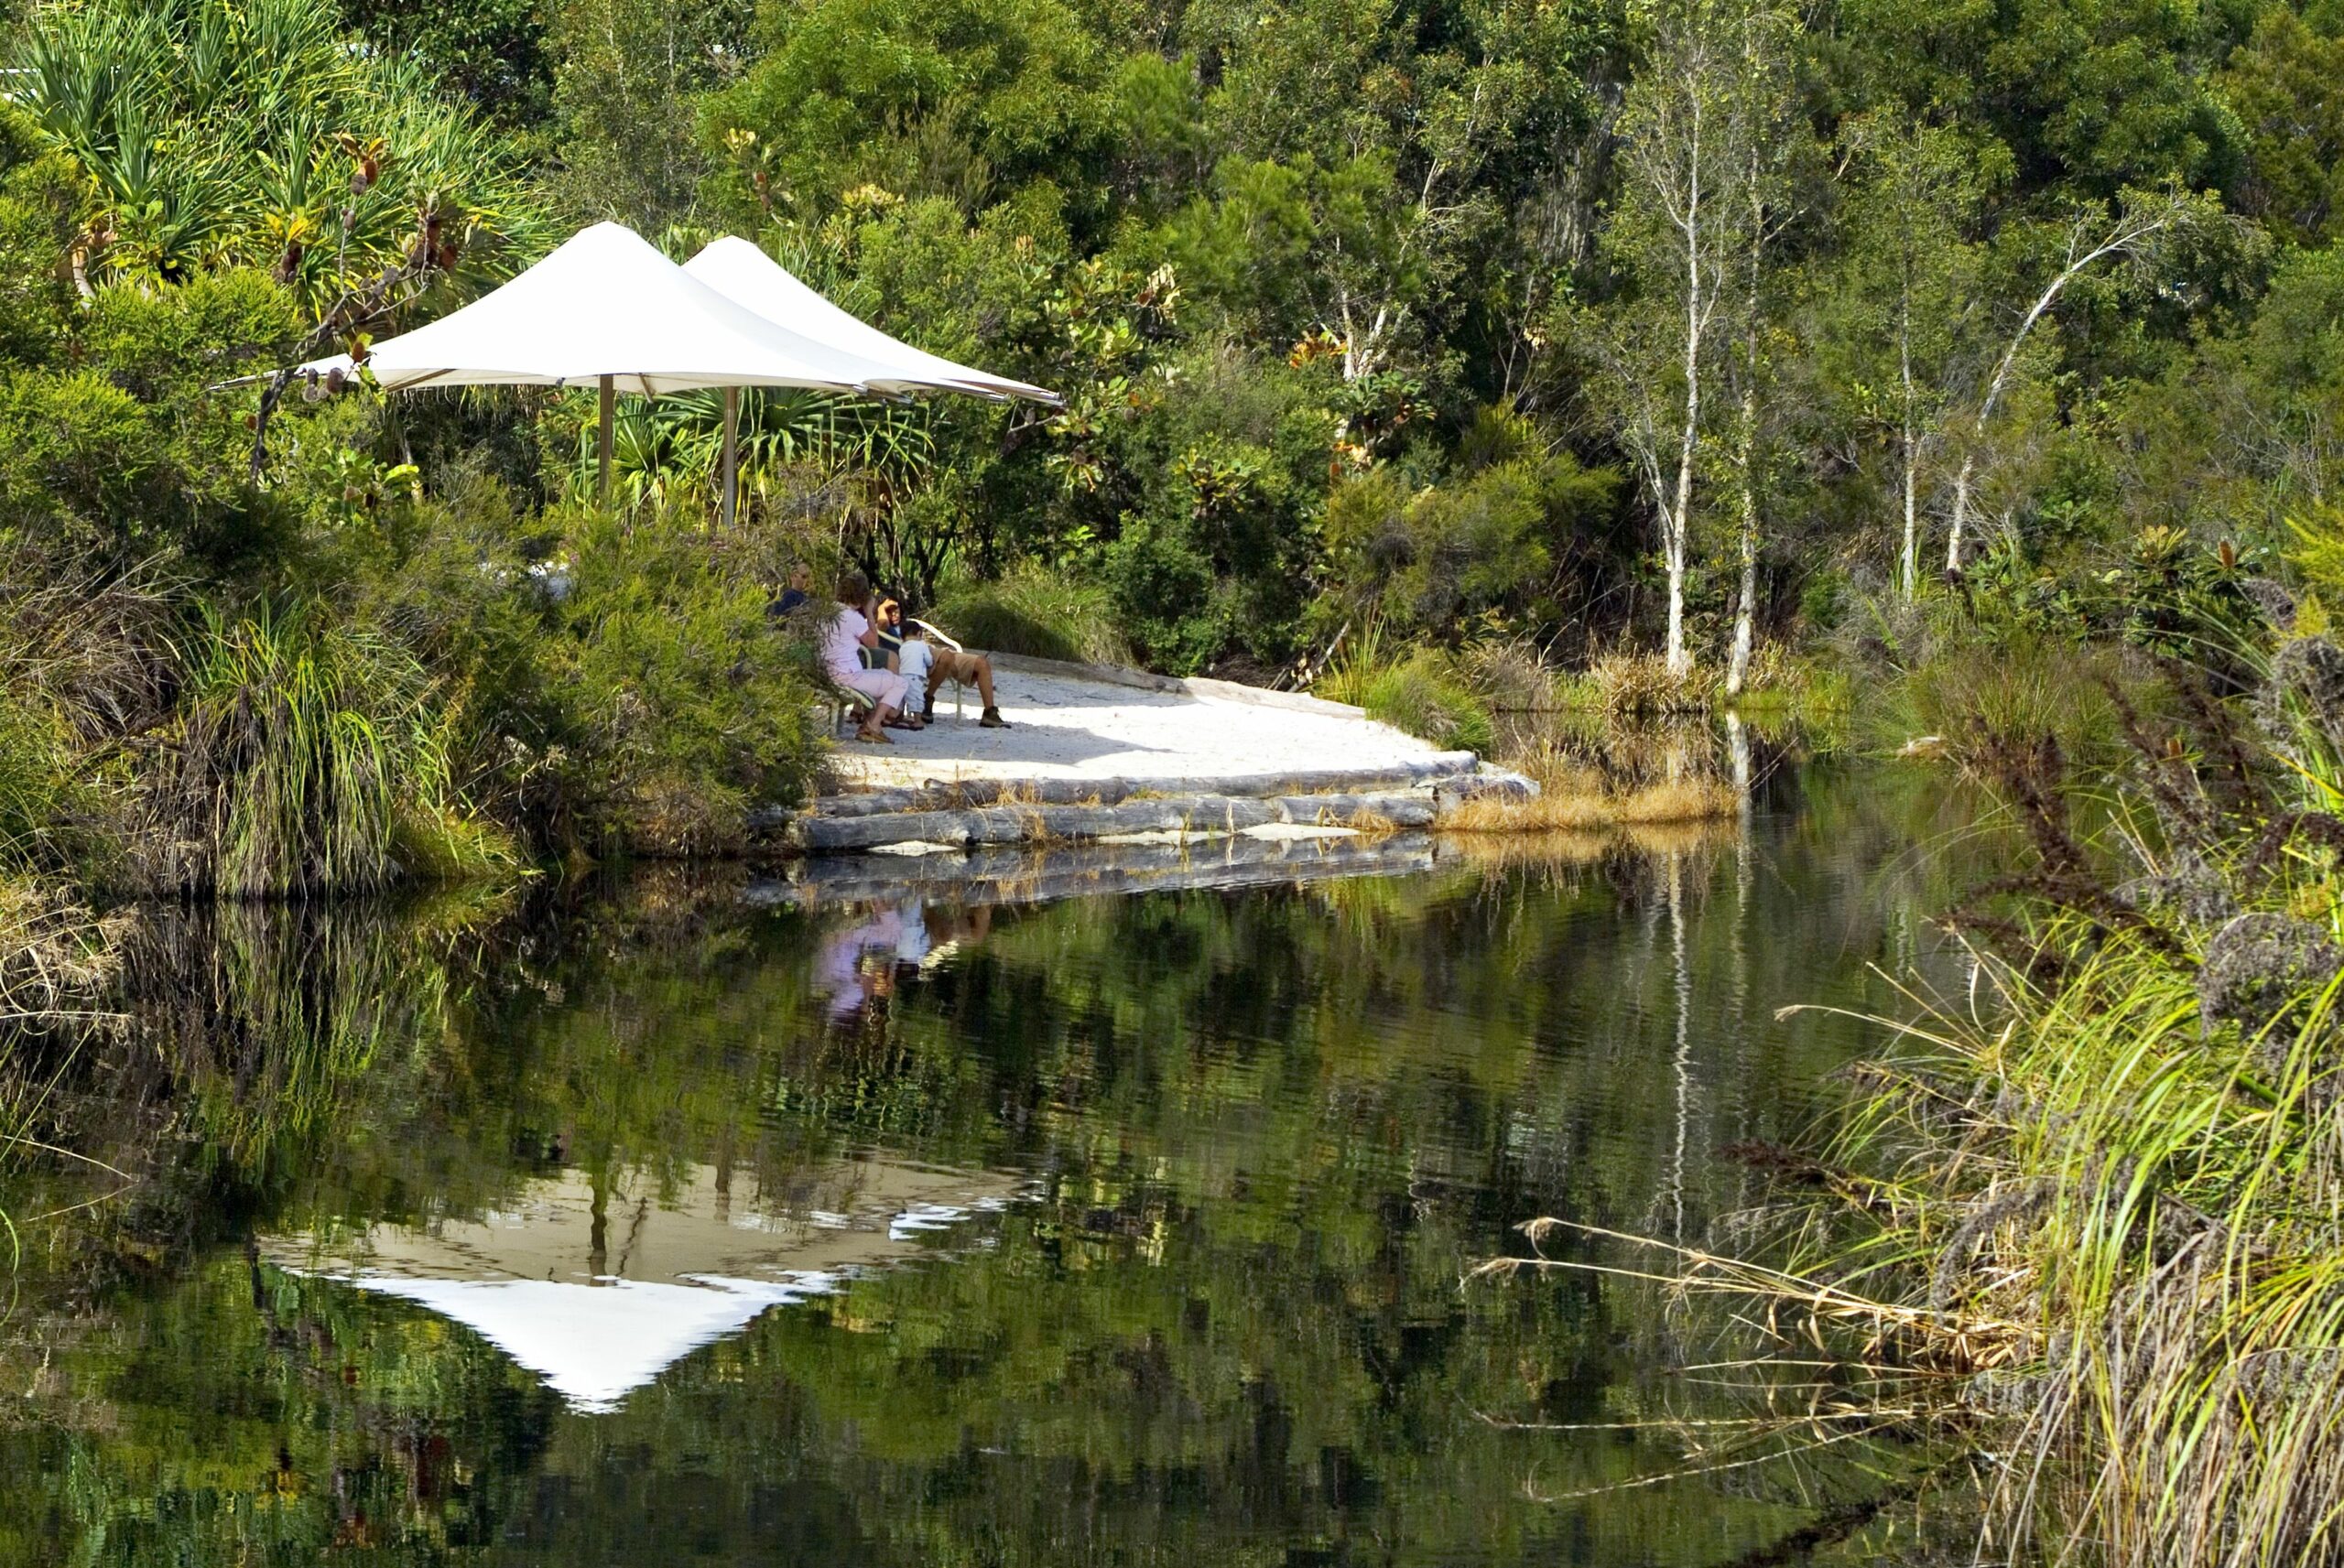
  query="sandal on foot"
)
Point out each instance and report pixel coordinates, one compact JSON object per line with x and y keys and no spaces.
{"x":872,"y":738}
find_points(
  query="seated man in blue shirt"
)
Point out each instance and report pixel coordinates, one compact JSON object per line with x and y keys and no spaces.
{"x":799,"y":590}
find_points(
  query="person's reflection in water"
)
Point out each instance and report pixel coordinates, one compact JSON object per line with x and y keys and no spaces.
{"x":839,"y":969}
{"x":857,"y":964}
{"x":944,"y":931}
{"x":913,"y":945}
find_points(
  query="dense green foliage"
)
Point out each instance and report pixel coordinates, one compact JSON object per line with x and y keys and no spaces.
{"x":302,"y":670}
{"x":1882,"y":338}
{"x":1384,"y":313}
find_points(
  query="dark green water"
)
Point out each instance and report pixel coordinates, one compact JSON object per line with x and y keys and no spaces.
{"x":674,"y":1229}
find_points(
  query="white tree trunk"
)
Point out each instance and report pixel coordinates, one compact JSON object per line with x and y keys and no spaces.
{"x":1961,"y":510}
{"x":1737,"y":671}
{"x":1745,"y":614}
{"x":2131,"y":231}
{"x":1674,"y":524}
{"x":1911,"y":573}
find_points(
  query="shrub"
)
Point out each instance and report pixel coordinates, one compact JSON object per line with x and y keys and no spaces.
{"x":1483,"y":543}
{"x":685,"y":701}
{"x":606,"y":684}
{"x":1039,"y":613}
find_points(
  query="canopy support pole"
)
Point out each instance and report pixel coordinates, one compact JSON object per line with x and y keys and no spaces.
{"x":610,"y":409}
{"x":732,"y":455}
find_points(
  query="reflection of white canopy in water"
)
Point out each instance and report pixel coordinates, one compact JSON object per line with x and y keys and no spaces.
{"x":600,"y":1312}
{"x":745,"y":275}
{"x":594,"y":1347}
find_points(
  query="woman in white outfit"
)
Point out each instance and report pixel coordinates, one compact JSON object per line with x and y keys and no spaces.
{"x":849,"y":632}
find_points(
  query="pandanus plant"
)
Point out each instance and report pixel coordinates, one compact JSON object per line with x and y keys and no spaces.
{"x":668,"y":449}
{"x":256,"y":133}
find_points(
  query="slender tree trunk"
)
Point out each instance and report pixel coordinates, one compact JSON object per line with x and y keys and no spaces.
{"x":1674,"y":526}
{"x":2131,"y":232}
{"x":1737,"y":671}
{"x":1961,"y":510}
{"x":1745,"y":614}
{"x":1912,"y":557}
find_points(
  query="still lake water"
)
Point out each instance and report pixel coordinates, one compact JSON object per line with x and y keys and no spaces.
{"x":688,"y":1226}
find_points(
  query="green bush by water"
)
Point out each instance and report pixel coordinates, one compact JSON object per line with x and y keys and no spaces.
{"x":1042,"y":614}
{"x":1420,"y":690}
{"x":688,"y":703}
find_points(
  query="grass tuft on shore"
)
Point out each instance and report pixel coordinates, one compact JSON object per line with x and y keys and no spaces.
{"x":1576,"y":798}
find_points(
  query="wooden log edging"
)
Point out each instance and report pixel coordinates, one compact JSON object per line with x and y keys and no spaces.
{"x":966,"y":794}
{"x":1026,"y":824}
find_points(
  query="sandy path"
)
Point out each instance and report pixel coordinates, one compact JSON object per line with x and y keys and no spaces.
{"x":1064,"y":725}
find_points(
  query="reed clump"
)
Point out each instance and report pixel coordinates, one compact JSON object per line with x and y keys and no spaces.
{"x":1575,"y":798}
{"x":308,"y":755}
{"x":2131,"y":1146}
{"x":2137,"y":1151}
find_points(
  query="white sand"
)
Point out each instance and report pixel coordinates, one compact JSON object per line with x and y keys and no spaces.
{"x":1063,"y":725}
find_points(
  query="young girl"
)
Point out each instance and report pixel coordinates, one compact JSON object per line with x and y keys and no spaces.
{"x":851,"y":629}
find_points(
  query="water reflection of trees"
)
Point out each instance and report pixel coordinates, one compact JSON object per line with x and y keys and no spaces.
{"x":1265,"y":1132}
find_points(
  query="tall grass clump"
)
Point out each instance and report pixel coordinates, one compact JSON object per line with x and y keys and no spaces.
{"x":1422,"y":690}
{"x":308,"y":756}
{"x":1642,"y":685}
{"x":1424,"y":695}
{"x":2023,"y":687}
{"x":85,"y":663}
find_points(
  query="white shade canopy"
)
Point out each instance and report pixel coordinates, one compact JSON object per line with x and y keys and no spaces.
{"x":606,"y":303}
{"x":746,"y":276}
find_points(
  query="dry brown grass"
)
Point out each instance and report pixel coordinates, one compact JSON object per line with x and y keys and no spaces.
{"x":1638,"y":686}
{"x":1676,"y":800}
{"x":55,"y":958}
{"x":1590,"y":808}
